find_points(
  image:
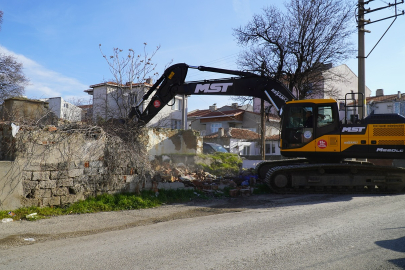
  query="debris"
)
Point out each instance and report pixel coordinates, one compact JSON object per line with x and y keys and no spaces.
{"x":5,"y":220}
{"x":32,"y":215}
{"x":29,"y":239}
{"x":14,"y":129}
{"x":192,"y":176}
{"x":12,"y":214}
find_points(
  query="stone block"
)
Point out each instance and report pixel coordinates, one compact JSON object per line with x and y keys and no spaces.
{"x":64,"y":182}
{"x":68,"y":199}
{"x":47,"y":184}
{"x":174,"y":185}
{"x":43,"y":193}
{"x":41,"y":175}
{"x":56,"y":175}
{"x":60,"y":191}
{"x":28,"y":202}
{"x":96,"y":164}
{"x":75,"y":172}
{"x":29,"y":184}
{"x":90,"y":170}
{"x":26,"y":175}
{"x":51,"y":201}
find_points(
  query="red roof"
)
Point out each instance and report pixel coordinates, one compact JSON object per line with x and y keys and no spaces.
{"x":386,"y":98}
{"x":213,"y":114}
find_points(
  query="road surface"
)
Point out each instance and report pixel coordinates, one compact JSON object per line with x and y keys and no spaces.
{"x":260,"y":232}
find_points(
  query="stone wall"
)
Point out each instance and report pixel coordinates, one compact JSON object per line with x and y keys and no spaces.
{"x":56,"y":166}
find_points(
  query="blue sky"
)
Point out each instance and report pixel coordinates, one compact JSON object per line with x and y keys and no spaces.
{"x":57,"y":41}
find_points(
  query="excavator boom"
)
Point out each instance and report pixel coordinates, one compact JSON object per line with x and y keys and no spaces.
{"x":172,"y":83}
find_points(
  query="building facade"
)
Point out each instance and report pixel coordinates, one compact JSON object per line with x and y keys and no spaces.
{"x":115,"y":101}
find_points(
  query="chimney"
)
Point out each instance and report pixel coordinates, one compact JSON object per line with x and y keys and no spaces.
{"x":221,"y":132}
{"x":379,"y":92}
{"x":235,"y":105}
{"x":149,"y":80}
{"x":399,"y":94}
{"x":213,"y":107}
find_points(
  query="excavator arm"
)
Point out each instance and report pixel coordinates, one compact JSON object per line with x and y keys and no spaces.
{"x":172,"y":83}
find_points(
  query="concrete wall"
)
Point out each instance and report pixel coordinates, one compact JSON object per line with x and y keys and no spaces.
{"x":173,"y":141}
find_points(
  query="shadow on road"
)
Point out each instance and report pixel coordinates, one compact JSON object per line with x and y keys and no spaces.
{"x":397,"y":245}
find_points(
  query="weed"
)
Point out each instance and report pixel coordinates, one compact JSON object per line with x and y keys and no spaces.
{"x":224,"y":164}
{"x":107,"y":202}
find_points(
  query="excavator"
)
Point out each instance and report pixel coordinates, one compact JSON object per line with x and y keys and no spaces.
{"x":323,"y":153}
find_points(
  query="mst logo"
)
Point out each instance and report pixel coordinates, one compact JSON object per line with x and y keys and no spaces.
{"x":279,"y":95}
{"x":384,"y":150}
{"x":212,"y":88}
{"x":353,"y":129}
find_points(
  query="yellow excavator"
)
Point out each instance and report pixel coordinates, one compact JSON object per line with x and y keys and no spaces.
{"x":319,"y":147}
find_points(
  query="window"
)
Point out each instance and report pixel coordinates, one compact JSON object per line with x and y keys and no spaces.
{"x":246,"y":150}
{"x":324,"y":116}
{"x":177,"y":104}
{"x":270,"y":148}
{"x":65,"y":105}
{"x":215,"y":127}
{"x":176,"y":124}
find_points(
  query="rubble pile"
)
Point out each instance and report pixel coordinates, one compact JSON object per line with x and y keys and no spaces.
{"x":193,"y":177}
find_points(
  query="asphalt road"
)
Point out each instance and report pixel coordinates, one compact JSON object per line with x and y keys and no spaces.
{"x":260,"y":232}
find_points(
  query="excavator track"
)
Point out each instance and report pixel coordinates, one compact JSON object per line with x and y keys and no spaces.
{"x":350,"y":177}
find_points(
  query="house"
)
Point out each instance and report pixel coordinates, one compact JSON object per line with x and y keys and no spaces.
{"x":64,"y":110}
{"x":87,"y":112}
{"x":209,"y":121}
{"x":338,"y":82}
{"x":383,"y":104}
{"x":26,"y":110}
{"x":114,"y":101}
{"x":244,"y":142}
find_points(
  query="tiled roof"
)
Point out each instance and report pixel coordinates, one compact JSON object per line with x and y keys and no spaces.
{"x":240,"y":133}
{"x":85,"y":106}
{"x":118,"y":84}
{"x":213,"y":114}
{"x":198,"y":113}
{"x":386,"y":98}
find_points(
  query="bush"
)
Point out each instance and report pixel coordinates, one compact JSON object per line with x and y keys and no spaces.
{"x":224,"y":164}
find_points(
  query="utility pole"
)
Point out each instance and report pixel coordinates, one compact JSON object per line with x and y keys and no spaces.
{"x":361,"y":23}
{"x":361,"y":61}
{"x":263,"y":123}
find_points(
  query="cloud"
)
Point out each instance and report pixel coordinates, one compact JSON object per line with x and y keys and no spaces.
{"x":45,"y":83}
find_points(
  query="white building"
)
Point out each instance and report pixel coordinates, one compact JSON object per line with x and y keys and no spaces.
{"x":64,"y":110}
{"x":114,"y":101}
{"x":385,"y":104}
{"x":338,"y":83}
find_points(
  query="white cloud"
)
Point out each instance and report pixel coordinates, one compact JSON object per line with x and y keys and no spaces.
{"x":45,"y":83}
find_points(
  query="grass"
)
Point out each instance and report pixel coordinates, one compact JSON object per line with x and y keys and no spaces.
{"x":106,"y":202}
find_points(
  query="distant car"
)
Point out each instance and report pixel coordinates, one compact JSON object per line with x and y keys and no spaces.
{"x":211,"y":148}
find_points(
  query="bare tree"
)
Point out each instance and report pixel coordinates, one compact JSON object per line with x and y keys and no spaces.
{"x":130,"y":72}
{"x":12,"y":78}
{"x":296,"y":45}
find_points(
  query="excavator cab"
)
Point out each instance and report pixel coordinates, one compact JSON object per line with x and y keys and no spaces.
{"x":306,"y":120}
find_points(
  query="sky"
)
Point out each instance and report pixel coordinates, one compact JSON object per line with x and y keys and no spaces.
{"x":58,"y":41}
